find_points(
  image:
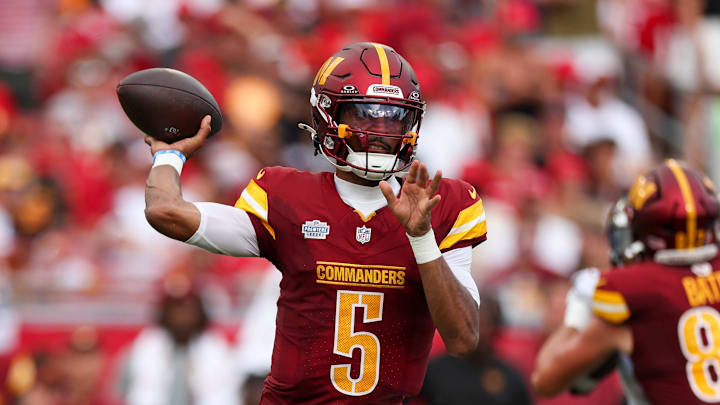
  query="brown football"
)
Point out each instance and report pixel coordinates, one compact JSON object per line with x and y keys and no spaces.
{"x":167,"y":104}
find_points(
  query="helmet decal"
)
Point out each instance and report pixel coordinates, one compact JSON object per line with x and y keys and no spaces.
{"x":384,"y":90}
{"x":349,"y":89}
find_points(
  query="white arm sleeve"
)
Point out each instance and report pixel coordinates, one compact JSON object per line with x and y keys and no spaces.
{"x":459,"y":261}
{"x":225,"y":229}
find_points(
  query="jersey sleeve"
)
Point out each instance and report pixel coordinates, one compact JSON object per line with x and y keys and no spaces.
{"x":462,"y":217}
{"x":256,"y":200}
{"x":224,"y":229}
{"x":609,"y":300}
{"x":459,"y":261}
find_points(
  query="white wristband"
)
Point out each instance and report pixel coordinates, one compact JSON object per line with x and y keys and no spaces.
{"x":424,"y":247}
{"x":173,"y":158}
{"x":578,"y":313}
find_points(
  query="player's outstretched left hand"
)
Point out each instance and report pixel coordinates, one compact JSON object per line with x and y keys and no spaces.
{"x":417,"y":199}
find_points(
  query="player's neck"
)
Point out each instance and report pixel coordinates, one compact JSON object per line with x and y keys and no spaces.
{"x":364,"y":199}
{"x":355,"y":179}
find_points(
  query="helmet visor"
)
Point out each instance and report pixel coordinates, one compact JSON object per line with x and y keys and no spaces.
{"x":391,"y":119}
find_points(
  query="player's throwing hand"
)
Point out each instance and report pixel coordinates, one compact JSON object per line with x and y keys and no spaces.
{"x":186,"y":146}
{"x":417,"y":199}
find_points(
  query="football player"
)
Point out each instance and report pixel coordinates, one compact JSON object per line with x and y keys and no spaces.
{"x":578,"y":306}
{"x":371,"y":264}
{"x":660,"y":308}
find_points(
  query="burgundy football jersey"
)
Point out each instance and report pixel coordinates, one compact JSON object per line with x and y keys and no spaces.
{"x":352,"y":324}
{"x":675,"y":320}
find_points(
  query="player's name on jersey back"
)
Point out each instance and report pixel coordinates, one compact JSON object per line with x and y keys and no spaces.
{"x":702,"y":290}
{"x":364,"y":275}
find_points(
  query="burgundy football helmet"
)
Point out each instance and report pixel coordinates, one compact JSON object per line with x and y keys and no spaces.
{"x":673,"y":211}
{"x":367,"y":81}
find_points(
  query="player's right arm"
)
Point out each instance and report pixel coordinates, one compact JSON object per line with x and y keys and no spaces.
{"x":214,"y":227}
{"x":570,"y":353}
{"x":165,"y":208}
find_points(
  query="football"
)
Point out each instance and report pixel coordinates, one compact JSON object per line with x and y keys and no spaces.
{"x":167,"y":104}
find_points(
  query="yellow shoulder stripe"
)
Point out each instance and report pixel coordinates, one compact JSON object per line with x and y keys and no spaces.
{"x":610,"y":306}
{"x":608,"y":297}
{"x":469,"y":224}
{"x":254,"y":201}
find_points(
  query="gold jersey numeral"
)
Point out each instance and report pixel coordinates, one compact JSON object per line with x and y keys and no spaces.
{"x":699,"y":333}
{"x":347,"y":340}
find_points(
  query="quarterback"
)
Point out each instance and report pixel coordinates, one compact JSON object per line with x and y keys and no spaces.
{"x":659,"y":309}
{"x":371,"y":264}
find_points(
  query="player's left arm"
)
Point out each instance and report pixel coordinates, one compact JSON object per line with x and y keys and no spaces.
{"x":569,"y":353}
{"x":453,"y":309}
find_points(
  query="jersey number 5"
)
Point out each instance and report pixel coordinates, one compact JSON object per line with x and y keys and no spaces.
{"x":346,"y":340}
{"x":699,"y":332}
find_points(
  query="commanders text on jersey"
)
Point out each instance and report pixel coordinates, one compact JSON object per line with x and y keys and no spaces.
{"x":361,"y":275}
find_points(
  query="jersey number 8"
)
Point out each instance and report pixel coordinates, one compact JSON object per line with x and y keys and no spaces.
{"x":699,"y":332}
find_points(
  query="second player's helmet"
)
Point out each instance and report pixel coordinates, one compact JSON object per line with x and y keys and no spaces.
{"x":371,"y":81}
{"x":674,"y":212}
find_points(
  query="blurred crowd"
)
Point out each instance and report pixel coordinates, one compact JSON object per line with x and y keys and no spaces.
{"x":548,"y":107}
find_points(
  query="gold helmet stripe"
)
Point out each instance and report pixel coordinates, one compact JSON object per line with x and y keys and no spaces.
{"x":322,"y":68}
{"x":329,"y":69}
{"x":688,"y":198}
{"x":384,"y":64}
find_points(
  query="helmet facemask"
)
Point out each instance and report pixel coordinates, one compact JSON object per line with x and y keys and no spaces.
{"x":623,"y":247}
{"x":372,"y":138}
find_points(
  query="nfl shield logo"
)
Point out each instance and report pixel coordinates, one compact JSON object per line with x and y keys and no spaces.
{"x":362,"y":234}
